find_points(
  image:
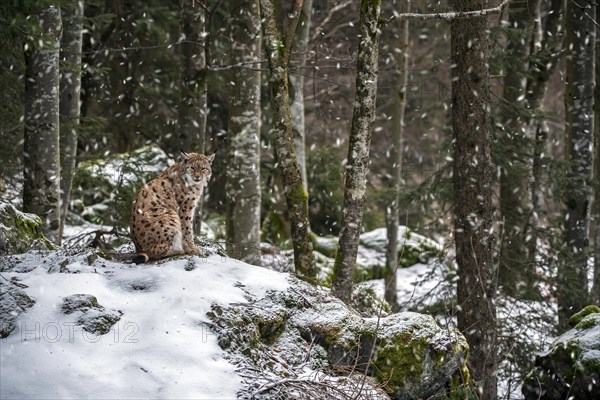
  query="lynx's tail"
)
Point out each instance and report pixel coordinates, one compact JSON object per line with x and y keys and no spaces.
{"x":140,"y":258}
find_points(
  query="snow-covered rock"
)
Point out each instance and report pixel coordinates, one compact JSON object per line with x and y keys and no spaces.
{"x":93,"y":317}
{"x":13,"y":302}
{"x":20,"y":232}
{"x":203,"y":328}
{"x":571,"y":367}
{"x":287,"y":332}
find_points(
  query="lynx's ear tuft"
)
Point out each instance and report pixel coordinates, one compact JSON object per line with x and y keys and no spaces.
{"x":211,"y":157}
{"x":184,"y":156}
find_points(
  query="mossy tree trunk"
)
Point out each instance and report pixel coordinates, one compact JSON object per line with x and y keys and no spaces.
{"x":41,"y":191}
{"x":278,"y":47}
{"x":193,"y":107}
{"x":70,"y":89}
{"x":572,"y":284}
{"x":395,"y":159}
{"x":517,"y":268}
{"x":473,"y":210}
{"x":296,"y":84}
{"x":357,"y":167}
{"x":596,"y":205}
{"x":243,"y":151}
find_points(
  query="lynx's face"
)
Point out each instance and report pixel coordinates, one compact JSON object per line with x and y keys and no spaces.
{"x":196,"y":168}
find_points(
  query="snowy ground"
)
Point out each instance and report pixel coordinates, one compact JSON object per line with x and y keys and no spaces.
{"x":161,"y":347}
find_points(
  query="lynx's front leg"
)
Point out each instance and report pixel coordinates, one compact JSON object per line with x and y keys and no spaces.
{"x":186,"y":215}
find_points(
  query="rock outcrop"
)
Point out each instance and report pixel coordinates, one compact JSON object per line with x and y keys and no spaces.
{"x":570,"y":369}
{"x":407,"y":354}
{"x":13,"y":302}
{"x":20,"y":232}
{"x":93,"y":317}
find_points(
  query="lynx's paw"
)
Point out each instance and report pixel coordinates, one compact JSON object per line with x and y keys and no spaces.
{"x":195,"y":250}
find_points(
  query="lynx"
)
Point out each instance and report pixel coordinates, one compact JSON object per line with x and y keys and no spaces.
{"x":162,"y":216}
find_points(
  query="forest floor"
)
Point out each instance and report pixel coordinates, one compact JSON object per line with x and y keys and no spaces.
{"x":162,"y":345}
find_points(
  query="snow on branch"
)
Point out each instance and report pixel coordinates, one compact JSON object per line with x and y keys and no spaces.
{"x":448,"y":16}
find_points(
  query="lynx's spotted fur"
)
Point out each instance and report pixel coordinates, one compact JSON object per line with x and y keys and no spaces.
{"x":162,"y":216}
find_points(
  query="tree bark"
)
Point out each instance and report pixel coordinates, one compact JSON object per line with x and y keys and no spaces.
{"x":543,"y":63}
{"x":277,"y":48}
{"x":516,"y":264}
{"x":596,"y":205}
{"x":70,"y":89}
{"x":572,"y":286}
{"x":395,"y":160}
{"x":363,"y":118}
{"x":243,"y":152}
{"x":473,"y":175}
{"x":296,"y":77}
{"x":193,"y":107}
{"x":41,"y":191}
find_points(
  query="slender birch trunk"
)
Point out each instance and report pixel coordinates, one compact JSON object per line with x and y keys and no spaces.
{"x":363,"y":118}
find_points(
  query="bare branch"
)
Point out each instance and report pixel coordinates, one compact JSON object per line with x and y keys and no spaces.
{"x":448,"y":16}
{"x":290,"y":29}
{"x":332,"y":12}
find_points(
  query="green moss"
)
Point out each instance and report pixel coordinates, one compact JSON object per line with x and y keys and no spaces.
{"x":298,"y":195}
{"x":460,"y":383}
{"x":578,"y":317}
{"x":397,"y":362}
{"x":22,"y":231}
{"x":587,"y":322}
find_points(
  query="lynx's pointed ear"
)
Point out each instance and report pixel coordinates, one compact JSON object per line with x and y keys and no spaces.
{"x":211,"y":157}
{"x":184,"y":156}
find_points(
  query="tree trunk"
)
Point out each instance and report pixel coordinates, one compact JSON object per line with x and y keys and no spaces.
{"x":243,"y":152}
{"x":596,"y":206}
{"x":357,"y":167}
{"x":193,"y":84}
{"x":515,"y":275}
{"x":542,"y":64}
{"x":296,"y":77}
{"x":572,"y":286}
{"x":41,"y":191}
{"x":278,"y":49}
{"x":70,"y":89}
{"x":395,"y":160}
{"x":473,"y":175}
